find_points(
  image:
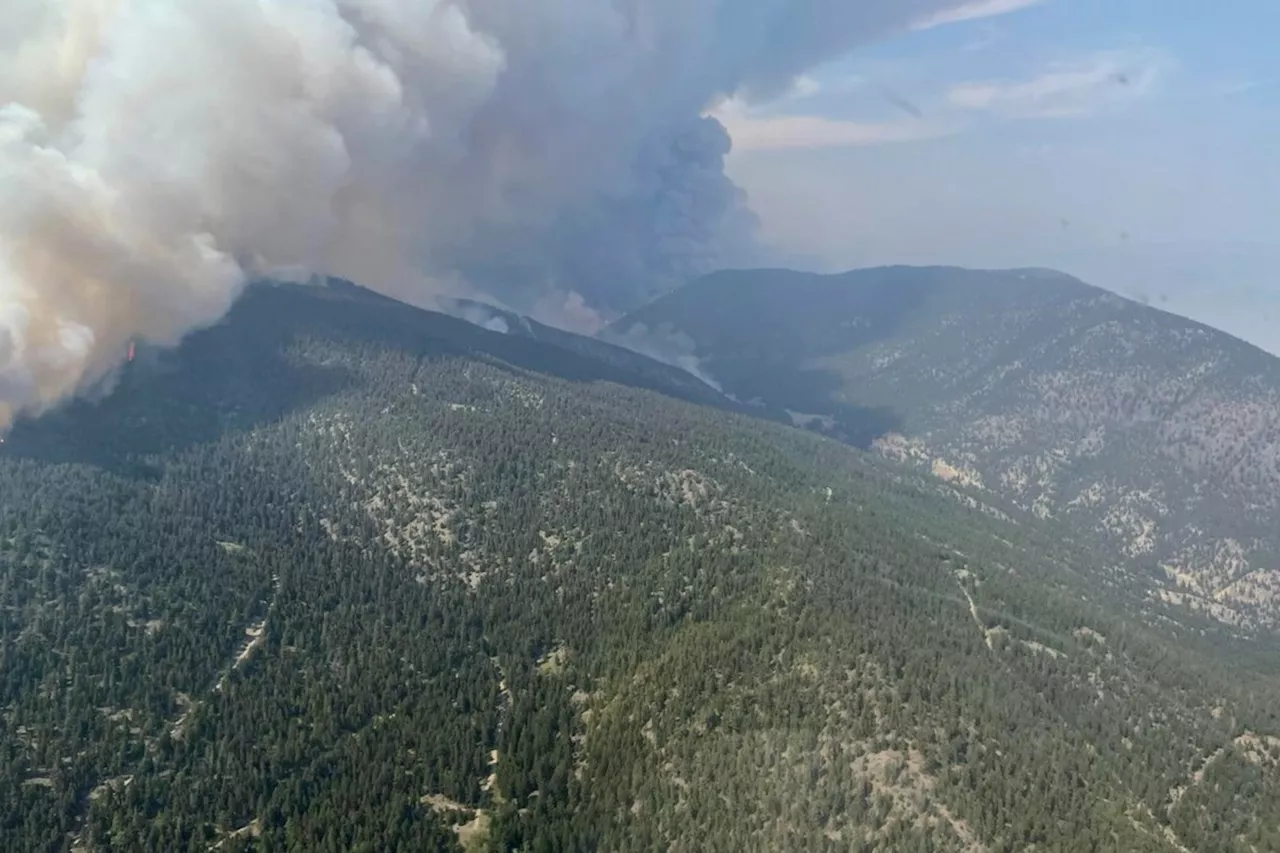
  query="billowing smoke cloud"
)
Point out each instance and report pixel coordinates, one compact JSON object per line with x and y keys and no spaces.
{"x":666,"y":344}
{"x":154,"y":154}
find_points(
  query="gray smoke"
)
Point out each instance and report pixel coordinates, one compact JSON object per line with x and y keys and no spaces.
{"x":663,"y":343}
{"x":154,"y":154}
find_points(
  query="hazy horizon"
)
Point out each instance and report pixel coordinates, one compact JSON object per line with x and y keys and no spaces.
{"x":1131,"y":145}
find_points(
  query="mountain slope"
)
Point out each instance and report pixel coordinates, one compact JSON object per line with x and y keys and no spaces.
{"x":341,"y":575}
{"x":1151,"y":433}
{"x":661,"y":374}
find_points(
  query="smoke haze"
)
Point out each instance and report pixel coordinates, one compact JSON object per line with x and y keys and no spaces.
{"x":155,"y":154}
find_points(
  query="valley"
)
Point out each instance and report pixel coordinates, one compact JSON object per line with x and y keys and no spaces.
{"x":1152,"y":436}
{"x":337,"y":574}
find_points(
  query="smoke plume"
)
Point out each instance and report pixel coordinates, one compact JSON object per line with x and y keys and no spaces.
{"x":664,"y":343}
{"x":156,"y":154}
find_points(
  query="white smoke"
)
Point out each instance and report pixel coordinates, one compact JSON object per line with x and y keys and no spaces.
{"x":663,"y":343}
{"x":156,"y":153}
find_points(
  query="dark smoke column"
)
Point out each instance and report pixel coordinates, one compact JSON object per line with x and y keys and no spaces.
{"x":678,"y":216}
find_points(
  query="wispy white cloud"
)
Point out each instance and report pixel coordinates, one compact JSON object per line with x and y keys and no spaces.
{"x":807,"y":117}
{"x":814,"y":114}
{"x":775,"y":133}
{"x":971,"y":12}
{"x":1070,"y":89}
{"x":804,"y":86}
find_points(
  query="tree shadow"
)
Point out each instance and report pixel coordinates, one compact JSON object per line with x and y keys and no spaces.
{"x":810,"y":403}
{"x":764,"y":335}
{"x":238,"y":375}
{"x":168,"y":401}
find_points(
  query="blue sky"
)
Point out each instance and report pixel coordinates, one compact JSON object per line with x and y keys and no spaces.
{"x":1135,"y":143}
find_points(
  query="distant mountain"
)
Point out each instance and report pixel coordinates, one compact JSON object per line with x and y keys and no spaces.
{"x":1153,"y":434}
{"x":338,"y":574}
{"x":668,"y":374}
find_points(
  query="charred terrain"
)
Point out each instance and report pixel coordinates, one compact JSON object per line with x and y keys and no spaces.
{"x":338,"y":574}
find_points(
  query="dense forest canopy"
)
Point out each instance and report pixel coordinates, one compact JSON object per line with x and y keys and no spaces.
{"x":339,"y":575}
{"x":1154,"y":436}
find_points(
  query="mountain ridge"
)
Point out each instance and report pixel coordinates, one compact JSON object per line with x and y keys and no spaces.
{"x":1070,"y":400}
{"x":337,"y":575}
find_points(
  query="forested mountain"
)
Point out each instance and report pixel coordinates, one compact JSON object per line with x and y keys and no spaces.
{"x":670,"y":375}
{"x":341,"y":575}
{"x":1155,"y":436}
